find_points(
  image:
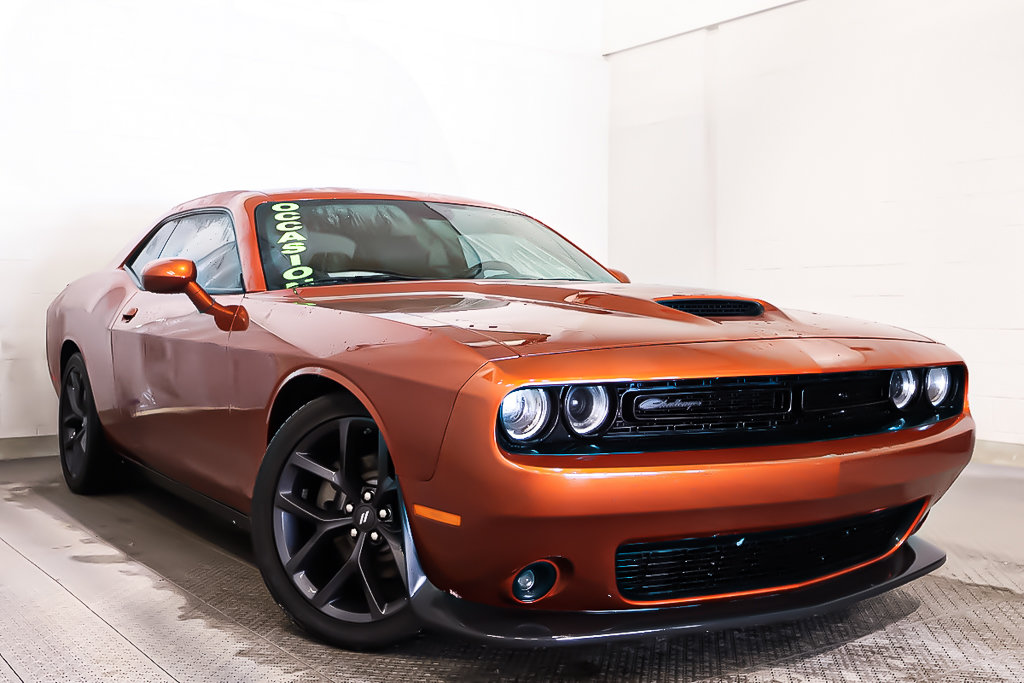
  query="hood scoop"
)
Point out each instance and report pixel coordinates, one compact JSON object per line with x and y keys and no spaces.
{"x":716,"y":308}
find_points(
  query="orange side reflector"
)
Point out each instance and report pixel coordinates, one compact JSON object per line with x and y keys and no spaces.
{"x":437,"y":515}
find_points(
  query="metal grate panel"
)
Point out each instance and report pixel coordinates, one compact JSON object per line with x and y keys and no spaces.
{"x":742,"y":562}
{"x":716,"y":308}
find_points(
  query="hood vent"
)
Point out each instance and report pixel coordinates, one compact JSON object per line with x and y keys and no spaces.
{"x":716,"y":308}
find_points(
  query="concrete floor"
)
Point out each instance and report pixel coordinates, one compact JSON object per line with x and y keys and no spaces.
{"x":141,"y":586}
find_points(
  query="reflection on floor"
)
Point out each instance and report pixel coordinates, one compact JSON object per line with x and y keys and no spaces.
{"x":140,"y":586}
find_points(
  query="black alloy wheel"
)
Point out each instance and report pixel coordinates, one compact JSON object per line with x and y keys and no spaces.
{"x":327,"y":527}
{"x":84,"y":458}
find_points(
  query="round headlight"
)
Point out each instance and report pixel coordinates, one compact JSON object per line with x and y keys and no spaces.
{"x":586,"y":408}
{"x":524,"y":413}
{"x":902,"y":387}
{"x":936,"y":385}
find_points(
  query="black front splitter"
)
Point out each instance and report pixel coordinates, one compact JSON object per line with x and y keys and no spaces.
{"x":510,"y":627}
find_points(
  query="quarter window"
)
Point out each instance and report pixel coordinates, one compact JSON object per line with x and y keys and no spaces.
{"x":151,"y":251}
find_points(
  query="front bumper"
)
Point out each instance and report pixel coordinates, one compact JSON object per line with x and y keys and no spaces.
{"x":512,"y":627}
{"x":578,"y":517}
{"x":576,"y":511}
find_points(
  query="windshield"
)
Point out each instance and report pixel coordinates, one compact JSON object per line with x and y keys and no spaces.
{"x":314,"y":242}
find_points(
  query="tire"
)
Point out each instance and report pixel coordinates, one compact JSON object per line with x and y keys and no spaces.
{"x":85,"y":459}
{"x":334,"y":564}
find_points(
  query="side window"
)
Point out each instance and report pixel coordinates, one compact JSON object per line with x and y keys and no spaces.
{"x":208,"y":239}
{"x":151,"y":251}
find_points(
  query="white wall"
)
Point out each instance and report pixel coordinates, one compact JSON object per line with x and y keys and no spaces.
{"x":113,"y":111}
{"x":863,"y":158}
{"x":629,"y":23}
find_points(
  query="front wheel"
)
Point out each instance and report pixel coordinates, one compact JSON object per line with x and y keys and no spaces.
{"x":327,"y":527}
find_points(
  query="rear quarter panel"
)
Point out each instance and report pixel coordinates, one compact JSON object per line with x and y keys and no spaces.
{"x":82,"y":314}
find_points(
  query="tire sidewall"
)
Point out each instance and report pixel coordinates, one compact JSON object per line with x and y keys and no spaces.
{"x":363,"y":636}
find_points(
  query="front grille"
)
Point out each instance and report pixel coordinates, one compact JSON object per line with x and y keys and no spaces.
{"x":797,"y":404}
{"x":716,"y":308}
{"x":717,"y":565}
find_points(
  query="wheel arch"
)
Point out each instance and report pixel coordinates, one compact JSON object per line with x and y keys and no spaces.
{"x":304,"y":385}
{"x":67,"y":349}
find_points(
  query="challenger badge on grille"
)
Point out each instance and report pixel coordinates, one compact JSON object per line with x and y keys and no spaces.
{"x":736,"y":403}
{"x":657,"y":405}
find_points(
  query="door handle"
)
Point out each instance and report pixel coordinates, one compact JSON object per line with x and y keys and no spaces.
{"x":128,"y":315}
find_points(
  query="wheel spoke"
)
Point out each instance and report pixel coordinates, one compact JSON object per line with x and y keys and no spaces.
{"x":291,"y":503}
{"x":374,"y":595}
{"x":74,"y":394}
{"x":320,"y":535}
{"x":304,"y":462}
{"x":331,"y":588}
{"x":382,"y":459}
{"x":350,"y":466}
{"x":389,"y":485}
{"x":344,"y":430}
{"x":394,"y":541}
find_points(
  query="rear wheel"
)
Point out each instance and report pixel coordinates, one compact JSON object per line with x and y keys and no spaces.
{"x":87,"y":464}
{"x":327,"y":527}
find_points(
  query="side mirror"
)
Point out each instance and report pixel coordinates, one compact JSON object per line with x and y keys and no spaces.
{"x":178,"y":276}
{"x":169,"y":276}
{"x":619,"y":275}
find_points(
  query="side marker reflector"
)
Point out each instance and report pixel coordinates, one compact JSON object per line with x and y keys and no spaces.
{"x":437,"y":515}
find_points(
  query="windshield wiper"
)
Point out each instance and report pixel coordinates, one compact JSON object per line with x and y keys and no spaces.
{"x":471,"y":273}
{"x":365,"y":276}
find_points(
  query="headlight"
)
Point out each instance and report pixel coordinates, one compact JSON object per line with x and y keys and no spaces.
{"x":524,"y":413}
{"x":936,"y":385}
{"x":586,"y":408}
{"x":902,"y":387}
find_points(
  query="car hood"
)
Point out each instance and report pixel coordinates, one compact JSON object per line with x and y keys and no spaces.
{"x":529,"y":318}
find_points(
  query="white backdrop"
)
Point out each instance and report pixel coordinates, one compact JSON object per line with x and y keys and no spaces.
{"x":863,"y":158}
{"x":113,"y":111}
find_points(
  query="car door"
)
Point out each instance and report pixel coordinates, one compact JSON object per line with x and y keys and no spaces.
{"x":171,"y":373}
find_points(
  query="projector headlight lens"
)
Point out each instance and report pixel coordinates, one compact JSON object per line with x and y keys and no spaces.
{"x":586,"y":408}
{"x":902,"y":388}
{"x":936,"y":385}
{"x":525,"y":412}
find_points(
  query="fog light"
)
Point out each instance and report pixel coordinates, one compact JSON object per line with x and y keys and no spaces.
{"x":534,"y":581}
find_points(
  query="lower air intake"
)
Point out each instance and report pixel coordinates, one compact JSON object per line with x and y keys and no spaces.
{"x":716,"y":565}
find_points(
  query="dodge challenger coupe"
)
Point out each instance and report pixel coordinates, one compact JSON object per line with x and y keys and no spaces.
{"x":436,"y":413}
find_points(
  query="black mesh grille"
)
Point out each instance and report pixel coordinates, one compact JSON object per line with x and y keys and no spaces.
{"x":715,"y":308}
{"x":742,"y":562}
{"x":745,"y":403}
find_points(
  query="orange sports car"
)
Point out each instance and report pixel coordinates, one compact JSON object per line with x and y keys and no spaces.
{"x":438,"y":413}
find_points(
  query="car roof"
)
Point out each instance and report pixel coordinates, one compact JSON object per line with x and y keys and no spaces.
{"x":242,"y":197}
